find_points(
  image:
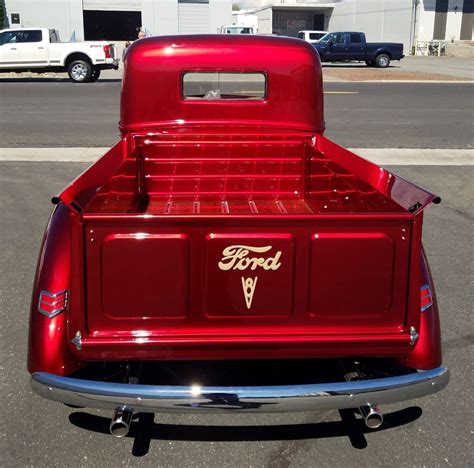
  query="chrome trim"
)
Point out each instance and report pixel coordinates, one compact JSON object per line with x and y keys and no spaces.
{"x":77,"y":341}
{"x":414,"y":335}
{"x":121,"y":420}
{"x":53,"y":312}
{"x":430,"y":295}
{"x":372,"y":415}
{"x":18,"y":62}
{"x":263,"y":399}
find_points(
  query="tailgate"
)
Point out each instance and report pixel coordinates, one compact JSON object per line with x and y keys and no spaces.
{"x":315,"y":277}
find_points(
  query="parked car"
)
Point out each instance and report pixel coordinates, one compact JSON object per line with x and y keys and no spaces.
{"x":349,"y":46}
{"x":311,"y":36}
{"x":39,"y":50}
{"x":225,"y":226}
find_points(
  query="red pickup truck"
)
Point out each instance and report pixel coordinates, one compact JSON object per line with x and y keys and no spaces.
{"x":224,"y":226}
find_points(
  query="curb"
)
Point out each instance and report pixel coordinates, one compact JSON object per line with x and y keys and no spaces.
{"x":383,"y":156}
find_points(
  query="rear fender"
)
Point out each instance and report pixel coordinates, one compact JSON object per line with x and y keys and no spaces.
{"x":48,"y":347}
{"x":427,"y":352}
{"x":383,"y":50}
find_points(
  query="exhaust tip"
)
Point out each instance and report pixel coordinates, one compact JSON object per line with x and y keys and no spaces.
{"x":119,"y":429}
{"x":372,"y":415}
{"x":374,"y":420}
{"x":121,"y":419}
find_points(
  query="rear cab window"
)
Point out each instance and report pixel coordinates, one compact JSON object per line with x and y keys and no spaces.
{"x":197,"y":86}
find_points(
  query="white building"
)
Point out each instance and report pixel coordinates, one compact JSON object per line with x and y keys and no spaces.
{"x":119,"y":19}
{"x":403,"y":21}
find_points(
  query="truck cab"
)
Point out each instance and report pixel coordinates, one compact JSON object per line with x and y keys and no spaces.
{"x":225,"y":226}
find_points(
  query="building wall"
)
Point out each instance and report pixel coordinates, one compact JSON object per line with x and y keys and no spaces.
{"x":467,"y":24}
{"x":159,"y":17}
{"x":426,"y":20}
{"x":453,"y":24}
{"x":220,"y":14}
{"x":446,"y":18}
{"x":265,"y":21}
{"x":65,"y":15}
{"x":380,"y":20}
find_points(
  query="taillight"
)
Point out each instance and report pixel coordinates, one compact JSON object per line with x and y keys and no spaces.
{"x":52,"y":304}
{"x":107,"y":51}
{"x":426,"y":297}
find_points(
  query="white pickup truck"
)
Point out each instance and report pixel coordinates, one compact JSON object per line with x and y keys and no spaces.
{"x":40,"y":50}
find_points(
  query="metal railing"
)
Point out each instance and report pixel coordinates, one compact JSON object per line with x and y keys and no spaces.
{"x":434,"y":48}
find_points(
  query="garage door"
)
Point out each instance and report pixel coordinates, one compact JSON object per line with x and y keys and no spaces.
{"x":193,"y":18}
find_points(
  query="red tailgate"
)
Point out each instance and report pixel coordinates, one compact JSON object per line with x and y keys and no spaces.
{"x":317,"y":278}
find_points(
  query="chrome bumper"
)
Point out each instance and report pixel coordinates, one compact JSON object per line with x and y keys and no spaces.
{"x":264,"y":399}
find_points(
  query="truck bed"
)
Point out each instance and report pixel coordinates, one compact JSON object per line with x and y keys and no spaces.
{"x":325,"y":252}
{"x":248,"y":177}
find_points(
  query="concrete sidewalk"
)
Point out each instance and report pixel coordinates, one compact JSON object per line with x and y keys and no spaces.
{"x":408,"y":69}
{"x":450,"y":66}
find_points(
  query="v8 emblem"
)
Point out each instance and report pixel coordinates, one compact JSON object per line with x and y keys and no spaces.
{"x":248,"y":286}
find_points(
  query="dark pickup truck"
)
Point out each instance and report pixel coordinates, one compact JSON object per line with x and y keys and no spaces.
{"x":345,"y":46}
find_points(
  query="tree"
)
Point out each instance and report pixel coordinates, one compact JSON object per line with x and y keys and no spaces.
{"x":2,"y":13}
{"x":235,"y":7}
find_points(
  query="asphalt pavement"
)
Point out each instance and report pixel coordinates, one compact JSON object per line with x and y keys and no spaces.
{"x":40,"y":112}
{"x":432,"y":431}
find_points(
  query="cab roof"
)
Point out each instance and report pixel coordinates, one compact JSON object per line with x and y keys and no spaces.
{"x":154,"y":69}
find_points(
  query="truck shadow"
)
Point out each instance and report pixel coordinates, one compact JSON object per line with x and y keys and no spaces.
{"x":144,"y":429}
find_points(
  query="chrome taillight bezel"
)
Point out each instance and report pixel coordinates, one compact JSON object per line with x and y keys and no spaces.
{"x":51,"y":300}
{"x":425,"y":292}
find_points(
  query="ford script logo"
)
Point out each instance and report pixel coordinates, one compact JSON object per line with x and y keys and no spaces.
{"x":236,"y":257}
{"x":243,"y":257}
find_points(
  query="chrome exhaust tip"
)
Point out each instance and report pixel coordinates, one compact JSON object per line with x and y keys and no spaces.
{"x":121,"y":420}
{"x":372,"y":415}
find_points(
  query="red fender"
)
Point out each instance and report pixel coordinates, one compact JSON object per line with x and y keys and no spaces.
{"x":427,"y":352}
{"x":48,"y":349}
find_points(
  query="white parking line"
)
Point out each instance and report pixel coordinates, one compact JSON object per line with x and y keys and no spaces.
{"x":383,"y":156}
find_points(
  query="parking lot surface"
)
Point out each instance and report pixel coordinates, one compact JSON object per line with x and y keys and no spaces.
{"x":42,"y":112}
{"x":433,"y":431}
